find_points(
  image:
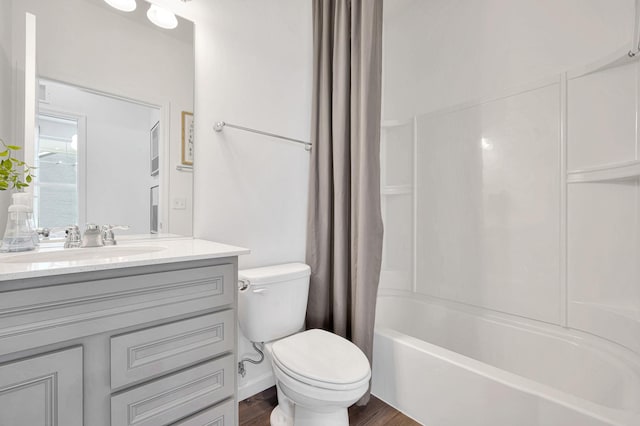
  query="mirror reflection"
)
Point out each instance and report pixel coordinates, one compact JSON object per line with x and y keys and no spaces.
{"x":96,"y":159}
{"x":114,"y":115}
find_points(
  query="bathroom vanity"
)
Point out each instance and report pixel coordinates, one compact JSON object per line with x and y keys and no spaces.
{"x":143,"y":333}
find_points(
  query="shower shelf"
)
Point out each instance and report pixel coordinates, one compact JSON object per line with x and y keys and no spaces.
{"x":618,"y":58}
{"x":611,"y":172}
{"x":396,"y":190}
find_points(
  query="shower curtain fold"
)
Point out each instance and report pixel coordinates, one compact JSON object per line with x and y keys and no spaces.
{"x":344,"y":229}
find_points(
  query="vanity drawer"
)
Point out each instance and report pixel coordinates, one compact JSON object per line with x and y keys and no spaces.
{"x":144,"y":354}
{"x":166,"y":400}
{"x":96,"y":306}
{"x":221,"y":415}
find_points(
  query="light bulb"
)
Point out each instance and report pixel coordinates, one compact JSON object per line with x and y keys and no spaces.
{"x":162,"y":17}
{"x":123,"y":5}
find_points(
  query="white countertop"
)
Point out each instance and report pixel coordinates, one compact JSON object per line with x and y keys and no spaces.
{"x":161,"y":251}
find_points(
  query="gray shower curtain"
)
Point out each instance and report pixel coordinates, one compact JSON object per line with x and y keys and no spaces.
{"x":344,"y":229}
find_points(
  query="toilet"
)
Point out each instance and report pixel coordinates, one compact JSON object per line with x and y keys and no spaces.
{"x":318,"y":374}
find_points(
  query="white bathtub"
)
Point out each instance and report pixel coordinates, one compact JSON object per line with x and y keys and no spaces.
{"x":450,"y":365}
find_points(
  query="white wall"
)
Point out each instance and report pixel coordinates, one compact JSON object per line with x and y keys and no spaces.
{"x":5,"y":70}
{"x":440,"y":53}
{"x":482,"y":80}
{"x":251,"y":190}
{"x":89,"y":44}
{"x":253,"y":68}
{"x":6,"y":96}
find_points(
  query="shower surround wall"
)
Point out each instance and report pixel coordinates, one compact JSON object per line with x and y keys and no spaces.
{"x":484,"y":197}
{"x":510,"y":288}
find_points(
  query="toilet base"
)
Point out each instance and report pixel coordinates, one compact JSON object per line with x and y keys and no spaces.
{"x":279,"y":418}
{"x":305,"y":417}
{"x":288,"y":413}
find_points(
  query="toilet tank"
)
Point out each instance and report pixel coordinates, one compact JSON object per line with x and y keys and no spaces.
{"x":274,"y":303}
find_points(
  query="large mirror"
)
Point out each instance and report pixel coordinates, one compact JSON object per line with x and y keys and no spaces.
{"x":114,"y":118}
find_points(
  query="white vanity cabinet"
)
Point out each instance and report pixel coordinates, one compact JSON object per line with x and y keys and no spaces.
{"x":147,"y":346}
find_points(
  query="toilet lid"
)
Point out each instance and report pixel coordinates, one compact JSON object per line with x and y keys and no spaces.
{"x":320,"y":356}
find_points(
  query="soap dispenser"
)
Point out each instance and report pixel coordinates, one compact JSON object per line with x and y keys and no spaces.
{"x":19,"y":233}
{"x":26,"y":199}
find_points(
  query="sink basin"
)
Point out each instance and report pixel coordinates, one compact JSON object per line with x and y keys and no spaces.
{"x":112,"y":253}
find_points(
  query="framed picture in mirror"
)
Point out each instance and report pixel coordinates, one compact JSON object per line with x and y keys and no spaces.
{"x":187,"y":138}
{"x":155,"y":149}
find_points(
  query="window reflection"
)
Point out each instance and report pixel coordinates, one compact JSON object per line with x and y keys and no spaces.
{"x":56,"y":181}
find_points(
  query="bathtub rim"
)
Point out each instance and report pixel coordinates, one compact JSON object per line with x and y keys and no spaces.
{"x":577,"y":337}
{"x":615,"y":416}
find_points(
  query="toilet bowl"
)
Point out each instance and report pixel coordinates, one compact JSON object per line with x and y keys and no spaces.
{"x":318,"y":374}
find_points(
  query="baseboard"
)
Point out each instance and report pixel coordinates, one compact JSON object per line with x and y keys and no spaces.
{"x":255,"y":386}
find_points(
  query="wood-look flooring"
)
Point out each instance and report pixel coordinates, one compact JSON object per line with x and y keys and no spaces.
{"x":255,"y":411}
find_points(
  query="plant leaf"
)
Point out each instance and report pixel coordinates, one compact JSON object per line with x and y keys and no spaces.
{"x":14,"y":173}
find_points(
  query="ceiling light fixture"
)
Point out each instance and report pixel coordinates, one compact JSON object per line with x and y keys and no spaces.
{"x":123,"y":5}
{"x":162,"y":17}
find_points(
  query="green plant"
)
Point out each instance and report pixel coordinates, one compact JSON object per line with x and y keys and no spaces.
{"x":14,"y":173}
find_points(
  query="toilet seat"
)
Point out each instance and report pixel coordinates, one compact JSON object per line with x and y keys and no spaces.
{"x":309,"y":395}
{"x":321,"y":359}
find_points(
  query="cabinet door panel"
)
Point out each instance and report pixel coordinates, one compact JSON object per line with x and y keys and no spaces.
{"x":148,"y":353}
{"x":177,"y":396}
{"x":42,"y":391}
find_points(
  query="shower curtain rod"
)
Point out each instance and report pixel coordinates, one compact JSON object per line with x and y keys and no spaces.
{"x":221,"y":124}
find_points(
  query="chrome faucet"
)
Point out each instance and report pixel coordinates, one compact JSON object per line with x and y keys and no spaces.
{"x":72,"y":237}
{"x":108,"y":236}
{"x":43,"y":232}
{"x":92,"y":236}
